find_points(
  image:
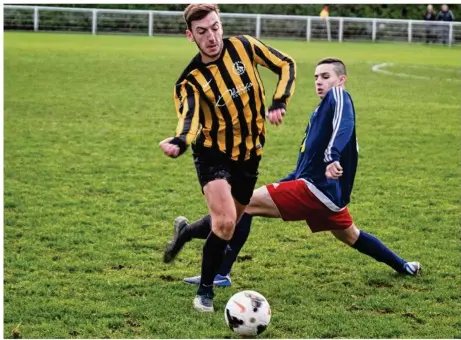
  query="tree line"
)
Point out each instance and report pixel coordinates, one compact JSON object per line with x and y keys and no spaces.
{"x":391,"y":11}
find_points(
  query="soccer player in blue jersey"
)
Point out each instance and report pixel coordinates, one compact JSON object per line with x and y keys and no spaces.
{"x":317,"y":190}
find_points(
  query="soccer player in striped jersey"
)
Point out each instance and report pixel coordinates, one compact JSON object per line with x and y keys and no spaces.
{"x":220,"y":104}
{"x":319,"y":188}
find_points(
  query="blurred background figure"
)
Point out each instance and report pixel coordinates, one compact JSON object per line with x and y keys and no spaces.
{"x":324,"y":15}
{"x":445,"y":15}
{"x":429,"y":17}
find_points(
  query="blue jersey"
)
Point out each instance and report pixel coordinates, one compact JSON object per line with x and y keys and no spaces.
{"x":330,"y":136}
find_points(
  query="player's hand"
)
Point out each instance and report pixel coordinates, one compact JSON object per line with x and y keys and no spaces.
{"x":334,"y":170}
{"x":276,"y":116}
{"x":171,"y":150}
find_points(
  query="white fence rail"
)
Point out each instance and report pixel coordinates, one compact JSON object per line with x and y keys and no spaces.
{"x":100,"y":21}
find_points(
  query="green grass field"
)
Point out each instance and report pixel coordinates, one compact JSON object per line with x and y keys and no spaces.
{"x":89,"y":198}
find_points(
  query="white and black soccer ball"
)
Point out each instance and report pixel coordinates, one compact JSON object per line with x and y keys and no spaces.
{"x":247,"y":313}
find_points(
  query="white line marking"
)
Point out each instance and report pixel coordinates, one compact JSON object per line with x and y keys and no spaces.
{"x":378,"y":68}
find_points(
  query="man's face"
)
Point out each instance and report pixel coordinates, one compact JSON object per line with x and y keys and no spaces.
{"x":429,"y":8}
{"x":207,"y":34}
{"x":326,"y":78}
{"x":444,"y":8}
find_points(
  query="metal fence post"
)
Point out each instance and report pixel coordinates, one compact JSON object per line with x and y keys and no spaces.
{"x":340,"y":33}
{"x":410,"y":31}
{"x":373,"y":30}
{"x":308,"y":29}
{"x":450,"y":35}
{"x":95,"y":22}
{"x":151,"y":23}
{"x":258,"y":26}
{"x":36,"y":18}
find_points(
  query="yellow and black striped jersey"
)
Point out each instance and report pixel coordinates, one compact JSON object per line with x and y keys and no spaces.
{"x":221,"y":104}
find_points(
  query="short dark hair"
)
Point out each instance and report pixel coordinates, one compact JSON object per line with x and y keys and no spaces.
{"x":338,"y":65}
{"x":195,"y":12}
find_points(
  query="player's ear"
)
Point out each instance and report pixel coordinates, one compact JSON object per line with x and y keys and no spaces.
{"x":190,"y":36}
{"x":342,"y":80}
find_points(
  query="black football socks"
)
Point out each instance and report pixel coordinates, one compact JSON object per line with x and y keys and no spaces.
{"x":212,"y":257}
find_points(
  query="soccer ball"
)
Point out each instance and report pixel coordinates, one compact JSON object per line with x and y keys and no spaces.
{"x":247,"y":313}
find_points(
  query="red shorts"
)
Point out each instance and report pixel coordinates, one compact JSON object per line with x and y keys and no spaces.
{"x":296,"y":202}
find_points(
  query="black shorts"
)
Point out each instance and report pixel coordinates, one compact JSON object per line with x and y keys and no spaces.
{"x":241,"y":176}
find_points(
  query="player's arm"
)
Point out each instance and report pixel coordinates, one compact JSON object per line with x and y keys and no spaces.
{"x":186,"y":98}
{"x":341,"y":117}
{"x":281,"y":64}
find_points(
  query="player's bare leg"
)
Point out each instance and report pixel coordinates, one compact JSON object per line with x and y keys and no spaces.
{"x":223,"y":214}
{"x":261,"y":204}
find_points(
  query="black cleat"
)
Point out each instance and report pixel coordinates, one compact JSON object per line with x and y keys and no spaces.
{"x":176,"y":244}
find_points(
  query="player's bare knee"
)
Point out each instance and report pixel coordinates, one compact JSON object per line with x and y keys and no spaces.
{"x":224,"y":226}
{"x":348,"y":236}
{"x":261,"y":204}
{"x":254,"y":204}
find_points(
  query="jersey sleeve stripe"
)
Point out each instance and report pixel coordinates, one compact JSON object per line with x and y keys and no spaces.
{"x":338,"y":97}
